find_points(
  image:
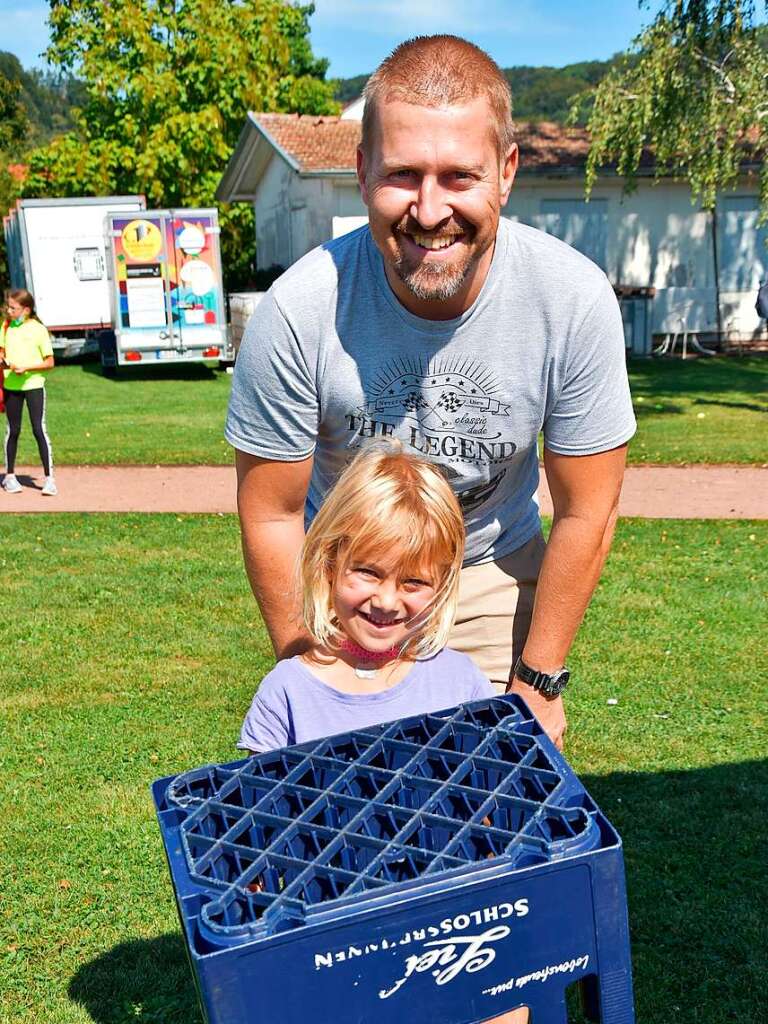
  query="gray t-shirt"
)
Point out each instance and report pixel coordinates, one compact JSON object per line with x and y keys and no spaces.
{"x":292,"y":705}
{"x":330,"y":358}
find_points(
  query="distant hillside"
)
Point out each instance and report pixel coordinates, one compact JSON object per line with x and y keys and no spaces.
{"x":544,"y":94}
{"x":348,"y":89}
{"x":47,"y":100}
{"x":538,"y":94}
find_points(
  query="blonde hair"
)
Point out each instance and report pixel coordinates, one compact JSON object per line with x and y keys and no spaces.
{"x":437,"y":71}
{"x":385,"y":499}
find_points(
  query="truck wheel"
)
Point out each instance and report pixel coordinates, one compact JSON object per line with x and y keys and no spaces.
{"x":108,"y":353}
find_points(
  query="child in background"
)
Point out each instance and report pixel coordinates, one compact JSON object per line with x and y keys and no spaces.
{"x":25,"y":353}
{"x":380,"y":575}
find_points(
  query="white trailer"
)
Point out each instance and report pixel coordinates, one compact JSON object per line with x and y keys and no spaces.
{"x":56,"y":250}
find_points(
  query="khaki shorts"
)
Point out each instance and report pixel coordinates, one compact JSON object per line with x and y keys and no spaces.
{"x":495,"y":609}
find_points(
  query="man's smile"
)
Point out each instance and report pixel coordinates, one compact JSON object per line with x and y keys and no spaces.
{"x":433,"y":242}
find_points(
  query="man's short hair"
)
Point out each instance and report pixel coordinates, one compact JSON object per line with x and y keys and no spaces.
{"x":437,"y":71}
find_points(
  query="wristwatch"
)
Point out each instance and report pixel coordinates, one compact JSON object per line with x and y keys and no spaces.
{"x":550,"y":685}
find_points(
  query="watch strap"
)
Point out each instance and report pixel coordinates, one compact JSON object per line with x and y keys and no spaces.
{"x":551,"y":684}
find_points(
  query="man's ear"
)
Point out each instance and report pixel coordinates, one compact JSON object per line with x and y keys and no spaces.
{"x":361,"y":174}
{"x":508,"y":172}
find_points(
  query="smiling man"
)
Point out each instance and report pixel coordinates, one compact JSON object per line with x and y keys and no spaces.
{"x":465,"y":335}
{"x":434,"y":180}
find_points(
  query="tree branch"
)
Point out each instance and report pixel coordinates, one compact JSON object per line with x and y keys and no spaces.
{"x":718,"y":70}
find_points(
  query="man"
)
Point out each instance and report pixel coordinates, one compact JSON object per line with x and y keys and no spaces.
{"x":463,"y":335}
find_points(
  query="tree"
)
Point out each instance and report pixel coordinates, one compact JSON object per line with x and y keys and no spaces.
{"x":12,"y":120}
{"x":694,"y":90}
{"x":44,"y":102}
{"x":167,"y":86}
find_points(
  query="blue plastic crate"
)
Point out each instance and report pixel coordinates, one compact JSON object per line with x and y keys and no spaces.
{"x":446,"y":867}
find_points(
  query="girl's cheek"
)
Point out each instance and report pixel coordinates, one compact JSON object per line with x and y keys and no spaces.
{"x":352,"y":592}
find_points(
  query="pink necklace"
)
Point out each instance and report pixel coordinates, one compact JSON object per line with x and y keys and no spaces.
{"x":370,"y":661}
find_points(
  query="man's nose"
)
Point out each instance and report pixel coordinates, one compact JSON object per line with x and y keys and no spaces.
{"x":430,"y":206}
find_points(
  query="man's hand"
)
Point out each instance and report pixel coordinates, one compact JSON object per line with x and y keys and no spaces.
{"x":549,"y":710}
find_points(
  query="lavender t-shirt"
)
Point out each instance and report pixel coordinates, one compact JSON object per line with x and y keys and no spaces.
{"x":292,"y":705}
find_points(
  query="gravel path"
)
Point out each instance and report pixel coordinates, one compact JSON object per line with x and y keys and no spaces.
{"x":689,"y":492}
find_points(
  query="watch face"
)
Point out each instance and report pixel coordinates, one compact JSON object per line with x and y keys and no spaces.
{"x":556,"y":683}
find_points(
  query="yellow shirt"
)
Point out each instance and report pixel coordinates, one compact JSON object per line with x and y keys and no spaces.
{"x":29,"y":343}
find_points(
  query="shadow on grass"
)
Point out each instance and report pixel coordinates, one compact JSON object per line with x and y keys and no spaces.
{"x":146,"y":980}
{"x":157,"y":371}
{"x":750,"y":406}
{"x":643,"y":409}
{"x":694,"y":849}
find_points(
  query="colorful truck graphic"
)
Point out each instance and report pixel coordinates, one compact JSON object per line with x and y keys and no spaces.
{"x":167,"y":298}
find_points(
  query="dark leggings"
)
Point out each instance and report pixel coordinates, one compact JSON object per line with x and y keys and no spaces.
{"x":14,"y":406}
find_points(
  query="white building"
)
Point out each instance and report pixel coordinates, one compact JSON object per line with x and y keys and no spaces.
{"x":703,"y":270}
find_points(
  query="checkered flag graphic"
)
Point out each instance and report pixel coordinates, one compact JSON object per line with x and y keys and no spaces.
{"x":450,"y":401}
{"x":413,"y":401}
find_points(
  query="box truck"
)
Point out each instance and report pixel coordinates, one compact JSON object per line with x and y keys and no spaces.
{"x":56,"y":250}
{"x":166,"y":289}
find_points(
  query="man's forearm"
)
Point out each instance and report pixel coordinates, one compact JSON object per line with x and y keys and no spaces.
{"x":270,"y":500}
{"x":575,"y":555}
{"x":271,"y":553}
{"x":576,"y":552}
{"x":585,"y":494}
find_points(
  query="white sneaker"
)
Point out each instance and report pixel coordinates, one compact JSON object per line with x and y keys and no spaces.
{"x":49,"y":487}
{"x":11,"y":485}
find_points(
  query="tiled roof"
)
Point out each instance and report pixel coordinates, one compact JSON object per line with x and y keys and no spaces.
{"x":329,"y":143}
{"x":545,"y":145}
{"x":315,"y":143}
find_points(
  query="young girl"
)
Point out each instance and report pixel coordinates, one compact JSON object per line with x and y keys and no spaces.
{"x":26,"y":353}
{"x":380,"y":574}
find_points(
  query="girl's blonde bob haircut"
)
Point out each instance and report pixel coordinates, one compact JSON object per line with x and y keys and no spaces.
{"x":385,"y":500}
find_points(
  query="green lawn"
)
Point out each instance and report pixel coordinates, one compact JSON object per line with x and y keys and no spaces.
{"x":146,"y":415}
{"x":132,"y":647}
{"x":701,"y":410}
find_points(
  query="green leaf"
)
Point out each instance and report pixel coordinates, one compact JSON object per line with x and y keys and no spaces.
{"x":691,"y":91}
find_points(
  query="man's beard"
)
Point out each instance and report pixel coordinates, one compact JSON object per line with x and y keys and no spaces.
{"x":431,"y":282}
